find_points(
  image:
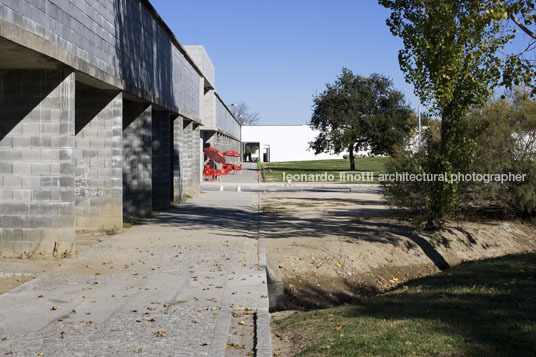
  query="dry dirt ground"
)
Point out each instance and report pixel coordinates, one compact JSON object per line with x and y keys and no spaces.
{"x":16,"y":270}
{"x":331,"y":248}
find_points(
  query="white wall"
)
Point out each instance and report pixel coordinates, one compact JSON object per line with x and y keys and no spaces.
{"x":287,"y":142}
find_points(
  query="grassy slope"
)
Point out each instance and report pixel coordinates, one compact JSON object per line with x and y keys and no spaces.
{"x":273,"y":171}
{"x":475,"y":309}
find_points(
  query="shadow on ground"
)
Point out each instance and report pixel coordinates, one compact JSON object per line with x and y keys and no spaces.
{"x":488,"y":303}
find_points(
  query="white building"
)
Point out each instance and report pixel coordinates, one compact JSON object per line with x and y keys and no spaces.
{"x":283,"y":143}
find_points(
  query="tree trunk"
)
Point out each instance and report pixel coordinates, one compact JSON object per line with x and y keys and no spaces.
{"x":351,"y":157}
{"x":437,"y":211}
{"x":446,"y":118}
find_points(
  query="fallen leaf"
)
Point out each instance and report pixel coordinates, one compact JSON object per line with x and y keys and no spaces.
{"x":235,"y":346}
{"x":338,"y":327}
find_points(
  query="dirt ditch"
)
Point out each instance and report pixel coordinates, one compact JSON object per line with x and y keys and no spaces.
{"x":332,"y":248}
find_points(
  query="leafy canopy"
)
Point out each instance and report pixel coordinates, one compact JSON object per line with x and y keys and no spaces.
{"x":450,"y":49}
{"x":358,"y":113}
{"x":452,"y":56}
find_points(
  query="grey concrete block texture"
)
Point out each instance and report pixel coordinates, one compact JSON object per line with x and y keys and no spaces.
{"x":190,"y":157}
{"x":222,"y":142}
{"x":162,"y":177}
{"x":35,"y":179}
{"x":137,"y":159}
{"x":225,"y":121}
{"x":98,"y":192}
{"x":120,"y":37}
{"x":74,"y":156}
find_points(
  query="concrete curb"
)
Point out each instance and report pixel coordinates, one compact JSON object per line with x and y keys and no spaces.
{"x":284,"y":187}
{"x":263,"y":331}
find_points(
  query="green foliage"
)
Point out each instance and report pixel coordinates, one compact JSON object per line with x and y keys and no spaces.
{"x":357,"y":113}
{"x":273,"y":171}
{"x":450,"y":50}
{"x":517,"y":67}
{"x":504,"y":132}
{"x":416,"y":196}
{"x":506,"y":138}
{"x":451,"y":56}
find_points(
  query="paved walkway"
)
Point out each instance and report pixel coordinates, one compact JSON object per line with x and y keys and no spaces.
{"x":190,"y":284}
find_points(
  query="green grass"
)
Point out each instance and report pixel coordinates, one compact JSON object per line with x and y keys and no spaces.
{"x":484,"y":308}
{"x":273,"y":171}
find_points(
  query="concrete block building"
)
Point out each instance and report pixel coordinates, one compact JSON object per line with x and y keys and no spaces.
{"x":221,"y":129}
{"x":103,"y":115}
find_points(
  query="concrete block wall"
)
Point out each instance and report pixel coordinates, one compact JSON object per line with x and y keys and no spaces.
{"x":197,"y":158}
{"x":209,"y":109}
{"x":72,"y":154}
{"x":220,"y":141}
{"x":225,"y":122}
{"x":200,"y":57}
{"x":37,"y":112}
{"x":161,"y":164}
{"x":120,"y":38}
{"x":98,"y":186}
{"x":190,"y":157}
{"x":137,"y":162}
{"x":177,"y":157}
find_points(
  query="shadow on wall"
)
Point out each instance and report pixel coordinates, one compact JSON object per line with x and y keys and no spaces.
{"x":177,"y":189}
{"x":144,"y":51}
{"x":137,"y":164}
{"x":20,"y":95}
{"x":89,"y":102}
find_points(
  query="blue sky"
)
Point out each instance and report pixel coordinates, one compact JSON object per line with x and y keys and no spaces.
{"x":275,"y":55}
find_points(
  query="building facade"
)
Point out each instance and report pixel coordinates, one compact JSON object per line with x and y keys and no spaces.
{"x":103,"y":114}
{"x":277,"y":143}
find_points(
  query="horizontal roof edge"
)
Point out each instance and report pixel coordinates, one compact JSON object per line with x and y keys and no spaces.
{"x":226,"y":107}
{"x":174,"y":39}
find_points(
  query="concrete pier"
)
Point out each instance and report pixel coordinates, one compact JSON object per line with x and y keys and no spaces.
{"x":103,"y":115}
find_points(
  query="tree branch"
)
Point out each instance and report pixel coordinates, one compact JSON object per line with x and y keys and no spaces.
{"x":523,"y":27}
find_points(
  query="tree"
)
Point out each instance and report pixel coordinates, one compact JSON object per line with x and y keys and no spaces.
{"x":506,"y":144}
{"x":244,"y":115}
{"x":451,"y":56}
{"x":517,"y":15}
{"x":358,"y":113}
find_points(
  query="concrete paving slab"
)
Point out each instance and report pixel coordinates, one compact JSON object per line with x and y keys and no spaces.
{"x":190,"y":268}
